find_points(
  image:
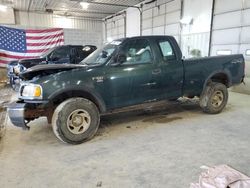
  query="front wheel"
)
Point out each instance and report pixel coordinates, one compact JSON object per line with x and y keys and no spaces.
{"x":75,"y":120}
{"x":214,"y":98}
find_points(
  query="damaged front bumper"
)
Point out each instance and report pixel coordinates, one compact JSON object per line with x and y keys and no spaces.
{"x":16,"y":114}
{"x":21,"y":113}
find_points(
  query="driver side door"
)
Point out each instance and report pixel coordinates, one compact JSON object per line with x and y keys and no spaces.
{"x":135,"y":80}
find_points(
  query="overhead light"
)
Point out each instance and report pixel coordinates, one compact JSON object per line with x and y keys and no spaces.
{"x":3,"y":8}
{"x":84,"y":5}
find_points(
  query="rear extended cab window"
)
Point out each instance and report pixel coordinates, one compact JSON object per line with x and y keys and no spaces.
{"x":166,"y":50}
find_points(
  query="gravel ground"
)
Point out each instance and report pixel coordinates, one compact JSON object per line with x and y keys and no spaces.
{"x":161,"y":148}
{"x":5,"y":98}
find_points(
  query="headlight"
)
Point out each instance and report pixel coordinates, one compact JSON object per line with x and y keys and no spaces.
{"x":31,"y":91}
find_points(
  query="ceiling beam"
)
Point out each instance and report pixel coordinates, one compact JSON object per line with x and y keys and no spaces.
{"x":79,"y":11}
{"x":108,"y":4}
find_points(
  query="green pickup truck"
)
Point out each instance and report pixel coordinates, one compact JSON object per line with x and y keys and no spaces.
{"x":123,"y":74}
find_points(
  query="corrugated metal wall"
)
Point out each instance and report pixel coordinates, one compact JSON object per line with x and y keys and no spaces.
{"x":115,"y":27}
{"x":163,"y":17}
{"x":232,"y":34}
{"x":76,"y":30}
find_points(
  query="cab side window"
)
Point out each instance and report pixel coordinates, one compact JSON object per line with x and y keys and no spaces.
{"x":137,"y":52}
{"x":166,"y":50}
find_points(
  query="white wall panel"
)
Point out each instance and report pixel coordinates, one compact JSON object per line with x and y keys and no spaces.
{"x":245,"y":35}
{"x":173,"y":29}
{"x":81,"y":37}
{"x":158,"y":21}
{"x":7,"y":17}
{"x":76,"y":31}
{"x":173,"y":17}
{"x":227,"y":20}
{"x":121,"y":30}
{"x":246,"y":17}
{"x":227,"y":5}
{"x":162,"y":9}
{"x":133,"y":22}
{"x":173,"y":6}
{"x":147,"y":32}
{"x":233,"y":48}
{"x":231,"y":14}
{"x":229,"y":36}
{"x":162,"y":19}
{"x":48,"y":20}
{"x":247,"y":4}
{"x":115,"y":28}
{"x":243,"y":50}
{"x":147,"y":14}
{"x":158,"y":30}
{"x":148,"y":23}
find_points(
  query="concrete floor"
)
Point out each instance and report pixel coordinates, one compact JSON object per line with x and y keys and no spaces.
{"x":163,"y":148}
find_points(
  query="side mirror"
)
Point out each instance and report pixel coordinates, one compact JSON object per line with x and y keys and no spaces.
{"x":104,"y":54}
{"x":121,"y":58}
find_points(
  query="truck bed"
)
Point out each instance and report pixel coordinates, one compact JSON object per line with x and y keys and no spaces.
{"x":198,"y":71}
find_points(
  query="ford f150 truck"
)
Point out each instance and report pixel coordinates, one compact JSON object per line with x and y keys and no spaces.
{"x":123,"y":74}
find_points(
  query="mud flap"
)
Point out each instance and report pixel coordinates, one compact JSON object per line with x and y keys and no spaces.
{"x":205,"y":96}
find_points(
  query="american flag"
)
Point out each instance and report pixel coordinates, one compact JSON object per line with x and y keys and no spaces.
{"x":29,"y":43}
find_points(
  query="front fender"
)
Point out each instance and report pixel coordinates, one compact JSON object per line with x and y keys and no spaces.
{"x":80,"y":91}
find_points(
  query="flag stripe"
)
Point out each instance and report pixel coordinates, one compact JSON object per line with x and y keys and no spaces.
{"x":29,"y":48}
{"x":42,"y":30}
{"x":34,"y":43}
{"x":46,"y":43}
{"x":44,"y":40}
{"x":44,"y":37}
{"x":3,"y":61}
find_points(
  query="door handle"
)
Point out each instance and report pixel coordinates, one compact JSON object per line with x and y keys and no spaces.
{"x":156,"y":71}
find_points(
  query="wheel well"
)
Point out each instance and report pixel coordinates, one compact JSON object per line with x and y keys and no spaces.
{"x":70,"y":94}
{"x":220,"y":78}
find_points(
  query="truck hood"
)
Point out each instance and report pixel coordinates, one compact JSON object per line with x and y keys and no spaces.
{"x":42,"y":70}
{"x":27,"y":63}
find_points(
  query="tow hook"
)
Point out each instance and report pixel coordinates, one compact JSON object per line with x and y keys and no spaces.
{"x":26,"y":127}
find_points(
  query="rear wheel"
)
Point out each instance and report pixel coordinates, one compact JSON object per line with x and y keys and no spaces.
{"x":75,"y":121}
{"x":214,"y":98}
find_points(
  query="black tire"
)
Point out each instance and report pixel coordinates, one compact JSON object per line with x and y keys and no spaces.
{"x":12,"y":83}
{"x":67,"y":113}
{"x":214,"y":98}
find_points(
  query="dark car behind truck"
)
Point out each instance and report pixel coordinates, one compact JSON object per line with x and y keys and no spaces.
{"x":72,"y":54}
{"x":123,"y":74}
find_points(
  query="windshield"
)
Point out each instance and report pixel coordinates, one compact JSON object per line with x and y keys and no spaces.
{"x":48,"y":52}
{"x":101,"y":55}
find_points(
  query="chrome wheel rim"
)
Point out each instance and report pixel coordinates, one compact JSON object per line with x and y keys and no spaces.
{"x":217,"y":99}
{"x":78,"y":121}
